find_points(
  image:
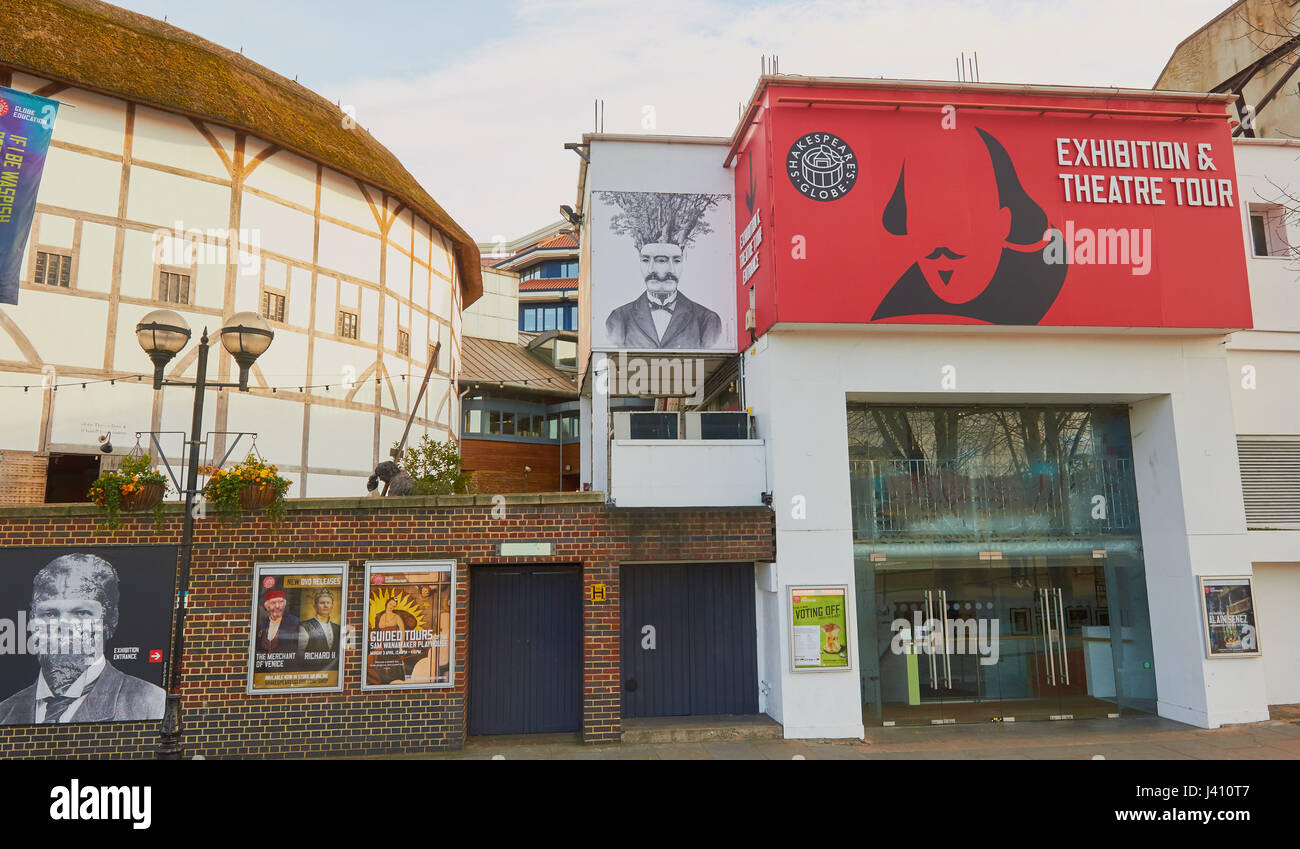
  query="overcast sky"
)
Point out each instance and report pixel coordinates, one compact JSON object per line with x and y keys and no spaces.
{"x":478,"y":98}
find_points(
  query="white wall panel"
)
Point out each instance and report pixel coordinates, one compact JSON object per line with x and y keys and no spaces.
{"x":95,"y":262}
{"x":77,"y":181}
{"x":174,"y":140}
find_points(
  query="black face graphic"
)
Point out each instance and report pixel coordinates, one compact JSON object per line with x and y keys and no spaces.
{"x":988,"y":264}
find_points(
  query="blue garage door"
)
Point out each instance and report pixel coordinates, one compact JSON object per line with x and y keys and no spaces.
{"x":689,"y":640}
{"x":525,"y":650}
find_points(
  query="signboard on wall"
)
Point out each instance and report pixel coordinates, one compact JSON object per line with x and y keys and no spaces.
{"x":662,"y":272}
{"x":897,"y":205}
{"x":410,"y":616}
{"x":85,"y":633}
{"x":296,"y":640}
{"x":26,"y":127}
{"x":819,"y":628}
{"x":1228,"y":605}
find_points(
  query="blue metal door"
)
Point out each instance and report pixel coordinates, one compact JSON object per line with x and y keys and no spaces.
{"x":525,"y":650}
{"x":689,"y":640}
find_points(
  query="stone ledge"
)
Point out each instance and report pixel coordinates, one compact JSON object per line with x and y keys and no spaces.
{"x":299,"y":505}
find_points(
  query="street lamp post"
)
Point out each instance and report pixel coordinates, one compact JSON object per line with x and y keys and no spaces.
{"x":162,"y":334}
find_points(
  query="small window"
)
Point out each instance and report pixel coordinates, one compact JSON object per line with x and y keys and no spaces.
{"x":273,"y":307}
{"x":173,"y":288}
{"x":348,"y":324}
{"x":552,"y":427}
{"x":403,"y":343}
{"x":473,"y":421}
{"x":53,"y":269}
{"x":1268,"y":234}
{"x":508,"y":424}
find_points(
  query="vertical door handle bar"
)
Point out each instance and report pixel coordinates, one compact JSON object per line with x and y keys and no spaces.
{"x":1060,"y":618}
{"x":947,"y":656}
{"x":1047,"y":637}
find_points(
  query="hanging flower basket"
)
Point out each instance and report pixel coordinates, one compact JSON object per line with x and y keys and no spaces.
{"x":133,"y":487}
{"x":252,"y":486}
{"x":254,"y":497}
{"x":145,"y":496}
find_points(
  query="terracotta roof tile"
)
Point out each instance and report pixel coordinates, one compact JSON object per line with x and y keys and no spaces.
{"x":559,"y":240}
{"x":540,"y":285}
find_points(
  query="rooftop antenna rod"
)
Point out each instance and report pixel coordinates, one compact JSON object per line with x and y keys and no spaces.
{"x":977,"y":66}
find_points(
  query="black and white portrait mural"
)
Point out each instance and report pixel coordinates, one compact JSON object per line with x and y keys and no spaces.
{"x":84,"y":633}
{"x":662,"y":272}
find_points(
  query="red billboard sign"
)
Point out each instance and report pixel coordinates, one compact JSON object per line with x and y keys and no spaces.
{"x":871,"y":204}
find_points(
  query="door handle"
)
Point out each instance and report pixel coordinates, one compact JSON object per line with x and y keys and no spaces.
{"x":1047,"y":636}
{"x":929,"y":639}
{"x":947,"y":657}
{"x":1060,"y":618}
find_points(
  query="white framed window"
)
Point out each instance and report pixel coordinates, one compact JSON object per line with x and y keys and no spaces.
{"x":1268,"y":236}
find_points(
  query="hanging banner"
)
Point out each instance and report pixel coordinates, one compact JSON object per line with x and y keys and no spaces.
{"x":26,"y":127}
{"x":85,"y":633}
{"x":819,"y":628}
{"x":296,"y":642}
{"x":1230,"y":627}
{"x":410,"y":611}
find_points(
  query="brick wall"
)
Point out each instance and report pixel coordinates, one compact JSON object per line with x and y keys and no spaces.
{"x":221,"y":719}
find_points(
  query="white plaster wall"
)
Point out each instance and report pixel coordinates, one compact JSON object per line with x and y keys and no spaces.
{"x":1277,"y":586}
{"x":687,"y":473}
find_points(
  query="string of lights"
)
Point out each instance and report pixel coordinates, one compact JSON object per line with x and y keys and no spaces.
{"x":55,"y":386}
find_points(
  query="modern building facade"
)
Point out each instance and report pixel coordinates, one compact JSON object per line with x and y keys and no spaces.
{"x":252,"y":195}
{"x":1005,"y":445}
{"x":519,"y":428}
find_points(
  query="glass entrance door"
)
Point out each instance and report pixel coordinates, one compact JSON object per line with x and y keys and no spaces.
{"x":1052,"y":664}
{"x":928,"y":639}
{"x":960,"y":639}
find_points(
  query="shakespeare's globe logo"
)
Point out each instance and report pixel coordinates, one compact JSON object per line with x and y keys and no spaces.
{"x":822,"y":166}
{"x":4,"y":107}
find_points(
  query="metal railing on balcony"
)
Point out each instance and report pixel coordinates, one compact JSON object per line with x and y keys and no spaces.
{"x":935,"y":500}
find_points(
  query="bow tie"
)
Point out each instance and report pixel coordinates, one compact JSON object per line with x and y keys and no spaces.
{"x":668,"y":308}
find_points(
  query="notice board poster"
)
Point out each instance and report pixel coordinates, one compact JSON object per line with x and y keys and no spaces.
{"x":819,"y":628}
{"x":296,"y":635}
{"x":1229,"y":607}
{"x":410,"y":611}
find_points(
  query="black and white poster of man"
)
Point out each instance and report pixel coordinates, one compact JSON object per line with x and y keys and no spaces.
{"x":663,"y":276}
{"x":84,"y":633}
{"x":410,"y":611}
{"x":297,"y":639}
{"x":1229,"y":608}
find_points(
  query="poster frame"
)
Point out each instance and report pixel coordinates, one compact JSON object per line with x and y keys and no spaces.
{"x":399,"y":566}
{"x":276,"y":568}
{"x":1201,"y":582}
{"x":850,"y":657}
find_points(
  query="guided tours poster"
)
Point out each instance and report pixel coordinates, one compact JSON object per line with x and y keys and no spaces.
{"x":819,"y":628}
{"x":297,"y":637}
{"x":409,"y":613}
{"x":1230,"y":627}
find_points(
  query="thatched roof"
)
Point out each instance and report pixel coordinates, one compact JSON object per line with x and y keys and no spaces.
{"x":101,"y":48}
